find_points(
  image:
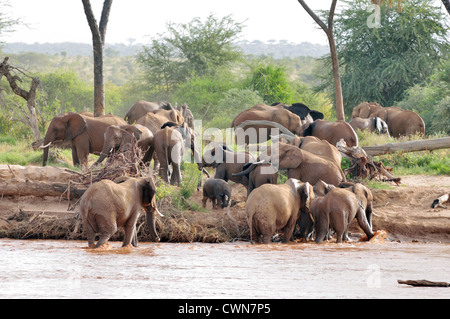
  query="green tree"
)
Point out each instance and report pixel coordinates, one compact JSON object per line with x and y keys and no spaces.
{"x":196,"y":48}
{"x":270,"y":82}
{"x":379,"y":62}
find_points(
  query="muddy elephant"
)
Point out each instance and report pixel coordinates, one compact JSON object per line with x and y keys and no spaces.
{"x":120,"y":138}
{"x":331,"y":132}
{"x":277,"y":207}
{"x":261,"y":132}
{"x":371,"y":124}
{"x":338,"y":208}
{"x":258,"y":173}
{"x":218,"y":191}
{"x":401,"y":122}
{"x":86,"y":134}
{"x":226,"y":162}
{"x":304,"y":165}
{"x":141,"y":107}
{"x":365,"y":109}
{"x":105,"y":206}
{"x":319,"y":147}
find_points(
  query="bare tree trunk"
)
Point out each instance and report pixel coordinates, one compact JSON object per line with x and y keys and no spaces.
{"x":28,"y":96}
{"x":334,"y":57}
{"x":98,"y":42}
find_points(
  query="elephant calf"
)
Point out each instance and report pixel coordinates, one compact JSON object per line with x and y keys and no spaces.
{"x":107,"y":205}
{"x":272,"y":207}
{"x":218,"y":191}
{"x":338,"y":208}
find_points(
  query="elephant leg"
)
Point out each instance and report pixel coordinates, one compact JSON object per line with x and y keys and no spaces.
{"x":75,"y":158}
{"x":156,"y":163}
{"x":163,"y":172}
{"x":106,"y":231}
{"x":322,"y":225}
{"x":204,"y":200}
{"x":90,"y":234}
{"x":134,"y":241}
{"x":289,"y":230}
{"x":130,"y":231}
{"x":176,"y":174}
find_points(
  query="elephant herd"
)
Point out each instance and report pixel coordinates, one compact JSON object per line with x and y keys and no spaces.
{"x":315,"y":199}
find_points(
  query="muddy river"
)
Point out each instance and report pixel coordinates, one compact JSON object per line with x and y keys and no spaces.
{"x":64,"y":269}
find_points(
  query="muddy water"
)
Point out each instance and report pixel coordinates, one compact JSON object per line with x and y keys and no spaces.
{"x":63,"y":269}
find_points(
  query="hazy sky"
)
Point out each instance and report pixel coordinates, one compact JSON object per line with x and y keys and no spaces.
{"x":64,"y":20}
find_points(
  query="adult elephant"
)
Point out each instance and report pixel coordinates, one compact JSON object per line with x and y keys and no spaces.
{"x":120,"y":138}
{"x":261,"y":132}
{"x":86,"y":134}
{"x":258,"y":173}
{"x":332,"y":132}
{"x":319,"y":147}
{"x":365,"y":109}
{"x":401,"y":122}
{"x":304,"y":165}
{"x":338,"y":208}
{"x":371,"y":124}
{"x":277,"y":207}
{"x":105,"y":206}
{"x":141,"y":107}
{"x":187,"y":115}
{"x":226,"y":162}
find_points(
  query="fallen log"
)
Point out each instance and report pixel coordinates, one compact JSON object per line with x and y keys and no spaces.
{"x":41,"y":189}
{"x":423,"y":283}
{"x":410,"y":146}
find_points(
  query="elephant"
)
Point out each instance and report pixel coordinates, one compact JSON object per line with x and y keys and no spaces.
{"x":304,"y":165}
{"x":305,"y":222}
{"x":141,"y":107}
{"x":226,"y":162}
{"x":258,"y":173}
{"x":306,"y":115}
{"x":218,"y":191}
{"x":120,"y":138}
{"x":277,"y":207}
{"x":280,"y":115}
{"x":86,"y":134}
{"x":331,"y":132}
{"x":187,"y":115}
{"x":401,"y":122}
{"x":372,"y":124}
{"x":105,"y":206}
{"x":319,"y":147}
{"x":338,"y":208}
{"x":365,"y":109}
{"x":169,"y":144}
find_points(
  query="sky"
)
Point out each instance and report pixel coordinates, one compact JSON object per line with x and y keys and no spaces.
{"x":140,"y":20}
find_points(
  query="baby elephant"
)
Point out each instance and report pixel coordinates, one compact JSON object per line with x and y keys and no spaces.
{"x":107,"y":205}
{"x":339,"y":207}
{"x":218,"y":191}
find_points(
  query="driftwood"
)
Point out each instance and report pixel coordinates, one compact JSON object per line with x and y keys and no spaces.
{"x":410,"y":146}
{"x":423,"y":283}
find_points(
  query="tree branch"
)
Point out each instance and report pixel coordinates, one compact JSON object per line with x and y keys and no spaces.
{"x":104,"y":19}
{"x":314,"y":16}
{"x":91,"y":19}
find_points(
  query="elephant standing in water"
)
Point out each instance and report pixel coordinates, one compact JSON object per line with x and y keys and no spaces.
{"x":277,"y":207}
{"x":86,"y":134}
{"x":105,"y":206}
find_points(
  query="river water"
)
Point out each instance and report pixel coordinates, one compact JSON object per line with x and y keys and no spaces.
{"x":65,"y":269}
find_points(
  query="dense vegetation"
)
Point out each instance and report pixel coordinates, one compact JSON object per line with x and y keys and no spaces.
{"x":201,"y":64}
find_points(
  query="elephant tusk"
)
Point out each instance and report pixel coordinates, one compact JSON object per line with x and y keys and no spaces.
{"x":45,"y":146}
{"x":156,"y":208}
{"x":312,"y":218}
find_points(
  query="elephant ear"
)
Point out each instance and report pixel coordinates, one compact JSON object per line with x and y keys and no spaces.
{"x":291,"y":159}
{"x":134,"y":131}
{"x":148,"y":193}
{"x":306,"y":196}
{"x":75,"y":125}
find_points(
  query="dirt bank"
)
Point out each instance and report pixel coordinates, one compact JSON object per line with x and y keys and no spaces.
{"x":404,"y":212}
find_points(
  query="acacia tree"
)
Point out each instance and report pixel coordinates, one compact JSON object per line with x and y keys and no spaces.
{"x":98,"y":42}
{"x":328,"y":29}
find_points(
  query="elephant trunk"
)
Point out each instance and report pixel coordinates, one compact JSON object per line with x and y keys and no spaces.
{"x":151,"y":223}
{"x":103,"y":154}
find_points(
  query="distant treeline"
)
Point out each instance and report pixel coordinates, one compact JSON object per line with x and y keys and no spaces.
{"x":277,"y":49}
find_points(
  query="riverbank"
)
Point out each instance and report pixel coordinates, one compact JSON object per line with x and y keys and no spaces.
{"x":404,"y":212}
